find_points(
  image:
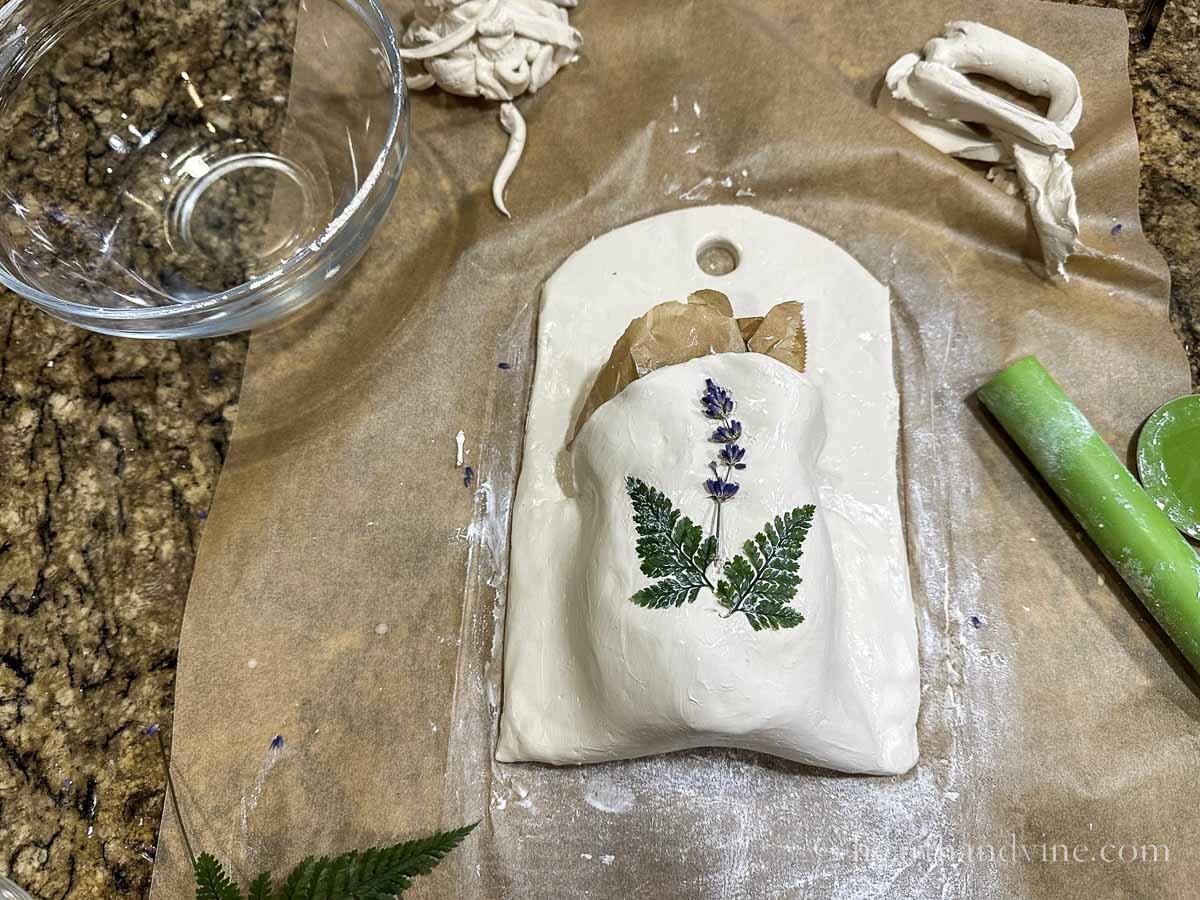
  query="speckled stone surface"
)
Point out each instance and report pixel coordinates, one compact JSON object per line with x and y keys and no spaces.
{"x":109,"y":454}
{"x":1166,"y":108}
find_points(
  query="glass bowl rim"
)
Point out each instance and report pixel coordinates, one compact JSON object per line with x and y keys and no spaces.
{"x":386,"y":33}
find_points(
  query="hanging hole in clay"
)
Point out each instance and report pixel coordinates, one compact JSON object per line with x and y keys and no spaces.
{"x":718,"y":257}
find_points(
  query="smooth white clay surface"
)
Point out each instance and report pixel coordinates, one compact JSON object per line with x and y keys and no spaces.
{"x":590,"y":676}
{"x":689,"y":677}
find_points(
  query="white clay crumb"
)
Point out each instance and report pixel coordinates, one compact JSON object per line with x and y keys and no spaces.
{"x":381,"y":629}
{"x":607,"y":859}
{"x":461,"y":440}
{"x":252,"y":664}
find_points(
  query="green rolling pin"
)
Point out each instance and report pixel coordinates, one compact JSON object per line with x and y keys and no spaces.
{"x":1126,"y":524}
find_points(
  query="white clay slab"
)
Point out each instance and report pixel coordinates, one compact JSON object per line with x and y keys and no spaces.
{"x":591,"y":677}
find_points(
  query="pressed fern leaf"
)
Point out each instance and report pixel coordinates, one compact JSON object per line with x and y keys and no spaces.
{"x":671,"y":547}
{"x":762,"y":583}
{"x":299,"y":884}
{"x":260,"y":889}
{"x":772,"y":616}
{"x":669,"y":543}
{"x":211,"y":881}
{"x":379,"y":874}
{"x":667,"y":594}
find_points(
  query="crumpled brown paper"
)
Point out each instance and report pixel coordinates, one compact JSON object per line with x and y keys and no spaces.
{"x":345,"y":558}
{"x":674,"y":332}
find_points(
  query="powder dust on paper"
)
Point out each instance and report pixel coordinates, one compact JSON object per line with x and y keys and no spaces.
{"x":249,"y":801}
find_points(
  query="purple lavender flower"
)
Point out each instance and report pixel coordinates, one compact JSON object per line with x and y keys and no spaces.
{"x":720,"y":489}
{"x":732,"y":455}
{"x":729,"y":433}
{"x":718,"y":404}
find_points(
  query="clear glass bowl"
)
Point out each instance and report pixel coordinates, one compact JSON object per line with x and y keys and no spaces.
{"x":194,"y":169}
{"x":9,"y":891}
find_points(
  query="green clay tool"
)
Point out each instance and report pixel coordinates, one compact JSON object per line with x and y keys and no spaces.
{"x":1127,"y":525}
{"x":1169,"y":461}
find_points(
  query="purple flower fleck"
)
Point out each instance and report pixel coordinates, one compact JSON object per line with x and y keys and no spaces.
{"x":152,"y":730}
{"x":277,"y":743}
{"x":468,"y":476}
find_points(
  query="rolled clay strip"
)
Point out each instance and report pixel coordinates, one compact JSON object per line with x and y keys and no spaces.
{"x":1125,"y":523}
{"x":973,"y":48}
{"x":932,"y":97}
{"x":451,"y":41}
{"x":946,"y":94}
{"x":512,"y":122}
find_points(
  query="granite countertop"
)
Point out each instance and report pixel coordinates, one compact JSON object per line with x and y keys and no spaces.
{"x":109,"y":454}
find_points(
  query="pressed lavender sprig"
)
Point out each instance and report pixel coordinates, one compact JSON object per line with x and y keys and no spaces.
{"x":718,"y":404}
{"x":760,"y":583}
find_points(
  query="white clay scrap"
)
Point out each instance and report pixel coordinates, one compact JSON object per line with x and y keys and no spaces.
{"x":495,"y":49}
{"x":930,"y":95}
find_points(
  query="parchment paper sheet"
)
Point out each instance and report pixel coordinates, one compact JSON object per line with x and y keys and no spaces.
{"x":1062,"y":718}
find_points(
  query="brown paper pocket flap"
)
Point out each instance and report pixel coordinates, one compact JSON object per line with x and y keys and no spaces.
{"x":675,"y":332}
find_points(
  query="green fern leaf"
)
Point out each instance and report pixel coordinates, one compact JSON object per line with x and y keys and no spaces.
{"x":768,"y":616}
{"x":301,"y":884}
{"x":420,"y":856}
{"x":260,"y":889}
{"x":378,"y":874}
{"x":669,"y":543}
{"x":669,"y":594}
{"x":211,"y":881}
{"x":671,"y":547}
{"x":739,"y":577}
{"x":764,"y":581}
